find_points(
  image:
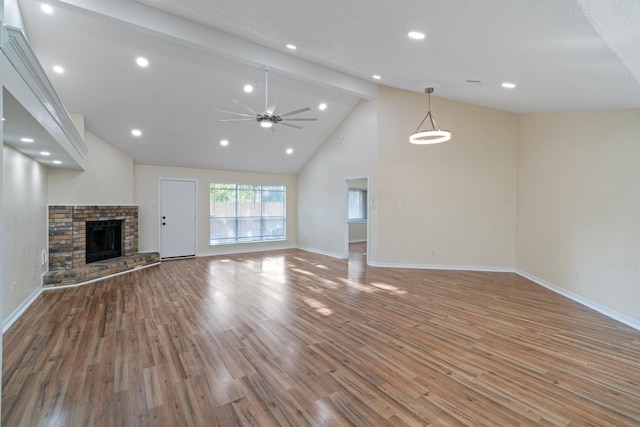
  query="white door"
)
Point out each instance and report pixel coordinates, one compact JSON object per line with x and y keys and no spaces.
{"x":177,"y":218}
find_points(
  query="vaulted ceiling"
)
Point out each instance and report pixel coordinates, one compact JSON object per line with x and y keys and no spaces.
{"x":561,"y":54}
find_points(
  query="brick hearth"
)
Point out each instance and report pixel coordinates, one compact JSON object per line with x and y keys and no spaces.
{"x":67,"y":244}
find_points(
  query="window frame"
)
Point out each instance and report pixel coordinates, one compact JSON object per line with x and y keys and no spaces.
{"x":263,"y":218}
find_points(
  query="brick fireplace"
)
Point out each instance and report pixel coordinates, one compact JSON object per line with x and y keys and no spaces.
{"x":68,"y":239}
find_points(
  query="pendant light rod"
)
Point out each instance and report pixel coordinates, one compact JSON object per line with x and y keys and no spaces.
{"x":433,"y":135}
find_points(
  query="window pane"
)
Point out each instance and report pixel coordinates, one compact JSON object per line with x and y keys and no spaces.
{"x":357,"y":204}
{"x":246,"y":213}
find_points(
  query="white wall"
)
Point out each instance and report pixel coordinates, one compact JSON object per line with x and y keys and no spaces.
{"x":107,"y":180}
{"x":579,"y":205}
{"x":24,"y":229}
{"x":146,"y":189}
{"x":451,"y":204}
{"x":322,"y":224}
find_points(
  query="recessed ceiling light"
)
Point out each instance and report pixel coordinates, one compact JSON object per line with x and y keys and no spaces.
{"x":26,"y":139}
{"x":377,"y":77}
{"x":322,"y":107}
{"x":136,"y":132}
{"x":289,"y":150}
{"x":291,"y":46}
{"x":143,"y":62}
{"x":507,"y":85}
{"x":46,"y":9}
{"x":416,"y":35}
{"x":58,"y":69}
{"x":248,"y":88}
{"x":45,"y":153}
{"x":224,"y":142}
{"x":57,"y":162}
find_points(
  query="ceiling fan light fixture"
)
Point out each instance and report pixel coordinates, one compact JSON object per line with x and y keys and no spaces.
{"x":435,"y":135}
{"x":266,"y":124}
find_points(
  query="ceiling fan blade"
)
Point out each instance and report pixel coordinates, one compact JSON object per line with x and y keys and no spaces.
{"x":235,"y":101}
{"x":233,"y":112}
{"x":290,"y":113}
{"x":272,"y":107}
{"x":290,"y":125}
{"x":301,"y":119}
{"x":236,"y":120}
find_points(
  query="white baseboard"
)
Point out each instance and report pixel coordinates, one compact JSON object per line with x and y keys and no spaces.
{"x":442,"y":267}
{"x":319,"y":252}
{"x":6,"y":324}
{"x":233,"y":251}
{"x":584,"y":301}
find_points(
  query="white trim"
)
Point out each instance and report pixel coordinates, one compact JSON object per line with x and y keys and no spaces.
{"x":442,"y":267}
{"x":10,"y":320}
{"x":245,"y":250}
{"x":357,"y":241}
{"x":19,"y":53}
{"x":317,"y":251}
{"x":584,"y":301}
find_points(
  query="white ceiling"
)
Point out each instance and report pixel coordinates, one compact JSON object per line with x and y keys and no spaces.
{"x":562,"y":54}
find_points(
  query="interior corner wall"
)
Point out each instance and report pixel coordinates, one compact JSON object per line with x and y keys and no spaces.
{"x":449,"y":205}
{"x":24,"y":228}
{"x":107,"y":180}
{"x":146,"y":192}
{"x":578,"y":210}
{"x":349,"y":152}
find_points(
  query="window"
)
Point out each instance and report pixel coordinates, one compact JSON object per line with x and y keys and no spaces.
{"x":357,"y":205}
{"x":240,"y":213}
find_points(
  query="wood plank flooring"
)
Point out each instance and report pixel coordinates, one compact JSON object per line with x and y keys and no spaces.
{"x":294,"y":338}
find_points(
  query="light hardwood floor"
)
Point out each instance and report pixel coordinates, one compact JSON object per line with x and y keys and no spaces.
{"x":295,"y":338}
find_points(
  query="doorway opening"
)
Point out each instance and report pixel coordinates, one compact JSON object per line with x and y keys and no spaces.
{"x":357,"y":217}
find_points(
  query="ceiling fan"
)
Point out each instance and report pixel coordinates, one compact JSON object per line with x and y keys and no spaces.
{"x":268,"y":117}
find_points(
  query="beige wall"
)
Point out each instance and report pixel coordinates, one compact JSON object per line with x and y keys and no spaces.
{"x":146,"y":189}
{"x":322,"y":225}
{"x":107,"y":180}
{"x":451,"y":204}
{"x":579,"y":205}
{"x":357,"y":232}
{"x":24,"y":229}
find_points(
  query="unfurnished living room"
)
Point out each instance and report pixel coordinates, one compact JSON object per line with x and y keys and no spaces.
{"x":320,"y":213}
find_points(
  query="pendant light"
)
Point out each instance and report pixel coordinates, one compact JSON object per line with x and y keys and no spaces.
{"x":434,"y":135}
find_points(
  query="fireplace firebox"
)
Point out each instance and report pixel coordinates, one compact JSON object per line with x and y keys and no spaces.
{"x":104,"y":240}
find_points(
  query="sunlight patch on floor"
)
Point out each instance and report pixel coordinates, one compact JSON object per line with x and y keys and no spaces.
{"x":318,"y":306}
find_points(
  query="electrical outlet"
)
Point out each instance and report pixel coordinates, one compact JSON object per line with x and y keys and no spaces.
{"x":13,"y":288}
{"x":433,"y":252}
{"x":33,"y":273}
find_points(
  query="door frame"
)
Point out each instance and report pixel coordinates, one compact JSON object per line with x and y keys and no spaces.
{"x":345,"y":243}
{"x":159,"y":217}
